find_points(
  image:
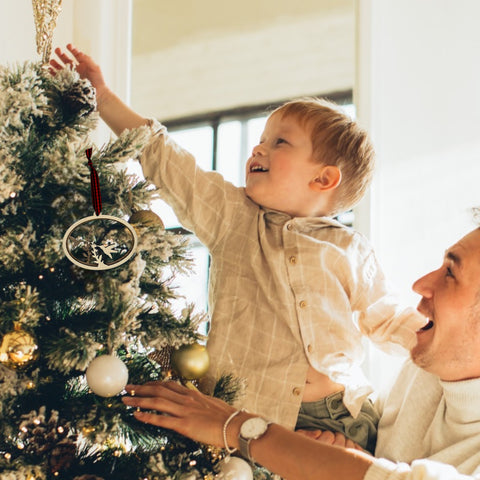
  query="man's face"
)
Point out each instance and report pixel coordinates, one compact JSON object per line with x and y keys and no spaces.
{"x":449,"y":345}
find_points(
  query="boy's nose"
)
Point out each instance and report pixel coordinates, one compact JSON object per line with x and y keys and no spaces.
{"x":257,"y":150}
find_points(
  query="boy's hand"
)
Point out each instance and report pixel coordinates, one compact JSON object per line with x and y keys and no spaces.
{"x":83,"y":64}
{"x":330,"y":438}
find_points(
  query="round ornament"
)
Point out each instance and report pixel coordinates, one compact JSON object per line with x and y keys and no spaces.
{"x":19,"y":349}
{"x":107,"y":375}
{"x":100,"y":242}
{"x":235,"y":468}
{"x":190,"y":362}
{"x":146,"y":218}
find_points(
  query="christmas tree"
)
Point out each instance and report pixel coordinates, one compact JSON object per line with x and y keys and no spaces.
{"x":86,"y":273}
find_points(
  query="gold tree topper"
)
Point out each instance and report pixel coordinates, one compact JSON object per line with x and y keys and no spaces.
{"x":45,"y":13}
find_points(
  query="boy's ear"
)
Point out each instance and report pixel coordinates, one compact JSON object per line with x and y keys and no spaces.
{"x":327,"y":178}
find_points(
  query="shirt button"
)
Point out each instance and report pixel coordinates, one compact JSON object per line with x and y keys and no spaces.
{"x":297,"y":391}
{"x":289,"y":226}
{"x":293,"y":260}
{"x":310,"y":348}
{"x":303,"y":304}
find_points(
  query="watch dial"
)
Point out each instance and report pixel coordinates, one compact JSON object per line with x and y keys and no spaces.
{"x":253,"y":427}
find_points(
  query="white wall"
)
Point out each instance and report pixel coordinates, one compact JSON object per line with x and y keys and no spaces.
{"x":197,"y":60}
{"x":418,"y":93}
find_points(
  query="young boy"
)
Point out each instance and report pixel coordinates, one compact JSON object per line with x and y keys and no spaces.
{"x":285,"y":278}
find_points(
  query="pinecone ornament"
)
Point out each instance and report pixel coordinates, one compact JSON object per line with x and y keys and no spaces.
{"x":78,"y":100}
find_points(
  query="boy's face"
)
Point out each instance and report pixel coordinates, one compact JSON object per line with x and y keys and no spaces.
{"x":281,"y":167}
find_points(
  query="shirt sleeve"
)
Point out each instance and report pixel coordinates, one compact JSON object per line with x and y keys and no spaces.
{"x":381,"y":317}
{"x":203,"y":201}
{"x":383,"y":469}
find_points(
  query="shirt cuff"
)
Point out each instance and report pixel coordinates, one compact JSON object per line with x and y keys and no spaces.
{"x":382,"y":469}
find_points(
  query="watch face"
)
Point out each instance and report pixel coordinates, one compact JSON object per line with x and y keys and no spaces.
{"x":253,"y":427}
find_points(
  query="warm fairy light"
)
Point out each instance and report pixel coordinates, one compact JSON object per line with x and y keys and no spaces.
{"x":20,"y":446}
{"x":60,"y":429}
{"x":47,"y":318}
{"x":13,"y":194}
{"x":56,"y":474}
{"x":36,"y":421}
{"x":8,"y":456}
{"x":24,"y":429}
{"x":52,"y":269}
{"x":192,"y":463}
{"x":40,"y":277}
{"x":117,"y":453}
{"x":30,"y":385}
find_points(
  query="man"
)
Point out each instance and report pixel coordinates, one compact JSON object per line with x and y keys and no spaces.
{"x":430,"y":421}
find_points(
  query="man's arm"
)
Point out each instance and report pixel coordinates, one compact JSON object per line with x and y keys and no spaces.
{"x":116,"y":114}
{"x":282,"y":451}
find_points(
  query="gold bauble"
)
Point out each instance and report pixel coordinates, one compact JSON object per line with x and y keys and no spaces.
{"x":190,"y":362}
{"x":146,"y":218}
{"x":19,"y":349}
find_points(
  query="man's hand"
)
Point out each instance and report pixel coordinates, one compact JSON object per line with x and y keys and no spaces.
{"x":330,"y":438}
{"x":189,"y":412}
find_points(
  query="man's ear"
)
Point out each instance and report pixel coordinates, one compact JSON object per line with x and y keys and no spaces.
{"x":327,"y":178}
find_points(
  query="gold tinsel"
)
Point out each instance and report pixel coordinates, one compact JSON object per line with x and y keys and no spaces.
{"x":45,"y":13}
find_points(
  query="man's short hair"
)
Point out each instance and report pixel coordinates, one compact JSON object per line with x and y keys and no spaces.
{"x":337,"y":140}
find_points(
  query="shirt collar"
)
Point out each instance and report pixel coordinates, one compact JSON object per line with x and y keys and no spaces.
{"x":280,"y":218}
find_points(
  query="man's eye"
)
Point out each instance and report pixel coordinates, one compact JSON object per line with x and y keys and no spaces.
{"x":449,"y":273}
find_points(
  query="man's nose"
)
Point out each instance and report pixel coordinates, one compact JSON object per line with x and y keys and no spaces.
{"x":424,"y":286}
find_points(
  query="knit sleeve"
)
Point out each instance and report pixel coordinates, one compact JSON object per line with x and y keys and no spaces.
{"x":382,"y":469}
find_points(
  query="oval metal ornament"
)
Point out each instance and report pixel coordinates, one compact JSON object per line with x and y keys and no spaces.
{"x":100,"y":242}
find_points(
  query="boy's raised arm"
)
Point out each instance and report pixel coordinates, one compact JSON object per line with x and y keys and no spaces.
{"x":116,"y":114}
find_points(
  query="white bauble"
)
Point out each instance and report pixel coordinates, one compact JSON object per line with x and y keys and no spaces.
{"x":235,"y":468}
{"x":107,"y":375}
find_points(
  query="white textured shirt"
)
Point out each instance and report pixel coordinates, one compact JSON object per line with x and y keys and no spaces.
{"x":428,"y":430}
{"x":282,"y":290}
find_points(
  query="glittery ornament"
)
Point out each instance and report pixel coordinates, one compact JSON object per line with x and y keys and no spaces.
{"x":19,"y":349}
{"x":146,"y":218}
{"x":45,"y":13}
{"x":191,"y":362}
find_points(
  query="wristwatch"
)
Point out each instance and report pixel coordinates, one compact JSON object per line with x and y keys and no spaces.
{"x":251,"y":429}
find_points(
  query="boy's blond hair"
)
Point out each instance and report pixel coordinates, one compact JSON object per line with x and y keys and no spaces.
{"x":336,"y":140}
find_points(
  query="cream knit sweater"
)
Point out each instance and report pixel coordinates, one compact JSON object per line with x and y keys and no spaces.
{"x":429,"y":429}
